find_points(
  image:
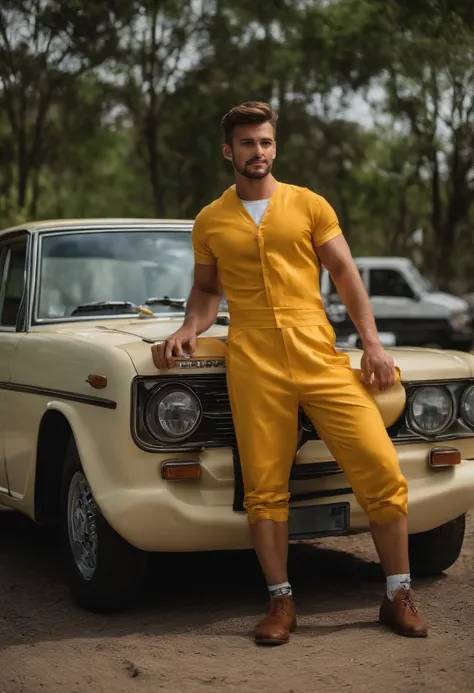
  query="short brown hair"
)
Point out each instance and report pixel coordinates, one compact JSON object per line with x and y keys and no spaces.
{"x":245,"y":114}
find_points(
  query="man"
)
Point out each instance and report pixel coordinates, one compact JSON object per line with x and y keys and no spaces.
{"x":262,"y":243}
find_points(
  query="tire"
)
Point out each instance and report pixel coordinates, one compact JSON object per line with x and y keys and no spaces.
{"x":435,"y":551}
{"x":106,"y":577}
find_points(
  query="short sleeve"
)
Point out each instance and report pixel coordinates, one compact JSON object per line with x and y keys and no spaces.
{"x":203,"y":255}
{"x":325,"y":221}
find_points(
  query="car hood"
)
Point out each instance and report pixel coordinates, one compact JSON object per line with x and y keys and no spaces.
{"x":120,"y":331}
{"x":453,"y":304}
{"x":135,"y":337}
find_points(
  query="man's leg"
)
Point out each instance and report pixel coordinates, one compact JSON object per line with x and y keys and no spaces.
{"x":270,"y":541}
{"x":372,"y":468}
{"x":269,"y":468}
{"x":348,"y":421}
{"x":265,"y":413}
{"x":391,"y":543}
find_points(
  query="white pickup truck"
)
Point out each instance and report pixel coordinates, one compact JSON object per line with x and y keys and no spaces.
{"x":406,"y":306}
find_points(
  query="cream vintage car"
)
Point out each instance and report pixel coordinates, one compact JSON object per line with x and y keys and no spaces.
{"x":129,"y":460}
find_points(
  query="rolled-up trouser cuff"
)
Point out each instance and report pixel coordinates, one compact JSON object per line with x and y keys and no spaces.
{"x":274,"y":515}
{"x":267,"y":506}
{"x":384,"y":512}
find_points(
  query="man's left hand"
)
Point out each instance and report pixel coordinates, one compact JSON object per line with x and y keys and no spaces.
{"x":377,"y":367}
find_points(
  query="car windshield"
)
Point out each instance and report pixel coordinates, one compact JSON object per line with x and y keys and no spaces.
{"x":81,"y":268}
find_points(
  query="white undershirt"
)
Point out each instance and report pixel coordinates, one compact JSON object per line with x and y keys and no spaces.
{"x":256,"y":209}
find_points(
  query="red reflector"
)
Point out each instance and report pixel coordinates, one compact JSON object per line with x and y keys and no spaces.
{"x":178,"y":471}
{"x":444,"y":457}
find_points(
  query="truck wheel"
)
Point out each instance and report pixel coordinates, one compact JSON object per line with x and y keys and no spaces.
{"x":104,"y":572}
{"x":435,"y":551}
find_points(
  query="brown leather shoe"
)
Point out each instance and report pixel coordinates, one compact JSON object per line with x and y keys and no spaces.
{"x":275,"y":628}
{"x":402,"y":616}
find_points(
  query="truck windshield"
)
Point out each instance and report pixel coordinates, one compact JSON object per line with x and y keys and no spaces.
{"x":423,"y":283}
{"x":118,"y":266}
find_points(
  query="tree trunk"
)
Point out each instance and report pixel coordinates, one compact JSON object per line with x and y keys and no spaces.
{"x":33,"y":207}
{"x":152,"y":158}
{"x":457,"y":209}
{"x":23,"y":172}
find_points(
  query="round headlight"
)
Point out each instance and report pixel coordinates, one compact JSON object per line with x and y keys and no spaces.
{"x":467,"y":406}
{"x":431,"y":410}
{"x":173,"y":413}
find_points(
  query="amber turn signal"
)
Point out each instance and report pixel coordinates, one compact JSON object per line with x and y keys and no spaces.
{"x":444,"y":457}
{"x":176,"y":470}
{"x":98,"y":382}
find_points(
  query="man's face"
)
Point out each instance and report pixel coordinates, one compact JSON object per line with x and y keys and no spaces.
{"x":253,"y":150}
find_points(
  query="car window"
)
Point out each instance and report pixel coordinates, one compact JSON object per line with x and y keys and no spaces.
{"x":390,"y":283}
{"x":13,"y":282}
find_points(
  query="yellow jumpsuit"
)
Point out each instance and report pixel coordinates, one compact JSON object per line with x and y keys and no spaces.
{"x":281,"y":354}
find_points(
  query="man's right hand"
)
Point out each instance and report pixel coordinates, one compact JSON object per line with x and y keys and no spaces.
{"x":182,"y":340}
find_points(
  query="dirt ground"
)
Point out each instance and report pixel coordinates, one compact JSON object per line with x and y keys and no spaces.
{"x":191,"y":630}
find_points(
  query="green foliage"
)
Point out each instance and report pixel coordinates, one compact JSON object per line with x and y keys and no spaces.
{"x":113,"y":109}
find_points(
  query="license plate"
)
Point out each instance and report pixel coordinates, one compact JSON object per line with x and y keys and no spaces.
{"x":313,"y":521}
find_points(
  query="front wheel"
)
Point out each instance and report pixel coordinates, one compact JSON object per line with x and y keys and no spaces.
{"x":104,"y":571}
{"x":437,"y":550}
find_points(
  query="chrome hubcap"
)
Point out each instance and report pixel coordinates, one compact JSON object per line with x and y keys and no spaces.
{"x":82,"y":526}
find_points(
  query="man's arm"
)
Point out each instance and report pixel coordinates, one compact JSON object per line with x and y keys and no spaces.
{"x":203,"y":302}
{"x":336,"y":256}
{"x":377,"y":364}
{"x":201,"y":312}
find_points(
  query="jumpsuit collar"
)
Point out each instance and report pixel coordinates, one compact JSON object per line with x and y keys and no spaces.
{"x":241,"y":208}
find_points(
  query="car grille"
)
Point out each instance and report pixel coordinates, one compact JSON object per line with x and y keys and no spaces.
{"x":217,"y":424}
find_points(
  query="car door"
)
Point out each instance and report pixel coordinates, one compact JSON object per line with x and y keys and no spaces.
{"x":390,"y":293}
{"x":396,"y":305}
{"x":13,"y":254}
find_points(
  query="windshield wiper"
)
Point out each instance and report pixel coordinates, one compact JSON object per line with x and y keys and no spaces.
{"x":181,"y":303}
{"x":117,"y":307}
{"x":166,"y":301}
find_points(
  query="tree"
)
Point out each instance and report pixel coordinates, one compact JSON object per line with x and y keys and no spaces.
{"x":156,"y":49}
{"x":44,"y":46}
{"x":430,"y":90}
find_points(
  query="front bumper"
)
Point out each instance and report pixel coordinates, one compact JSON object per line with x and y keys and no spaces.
{"x":199,"y":515}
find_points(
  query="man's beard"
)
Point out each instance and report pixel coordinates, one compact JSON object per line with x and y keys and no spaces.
{"x":255,"y":175}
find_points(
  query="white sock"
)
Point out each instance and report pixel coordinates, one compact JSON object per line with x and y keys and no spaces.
{"x":281,"y":590}
{"x":394,"y":582}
